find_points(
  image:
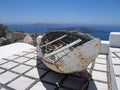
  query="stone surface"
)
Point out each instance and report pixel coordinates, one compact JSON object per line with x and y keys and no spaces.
{"x":116,"y":69}
{"x":101,"y":56}
{"x":118,"y":53}
{"x":92,"y":86}
{"x":21,"y":68}
{"x":14,"y":48}
{"x":1,"y":70}
{"x":11,"y":57}
{"x":2,"y":61}
{"x":21,"y":59}
{"x":101,"y":76}
{"x":42,"y":86}
{"x":97,"y":86}
{"x":21,"y":83}
{"x":31,"y":51}
{"x":100,"y":67}
{"x":115,"y":60}
{"x":49,"y":86}
{"x":118,"y":82}
{"x":21,"y":54}
{"x":114,"y":39}
{"x":113,"y":55}
{"x":53,"y":77}
{"x":33,"y":73}
{"x":101,"y":86}
{"x":31,"y":55}
{"x":100,"y":60}
{"x":89,"y":66}
{"x":42,"y":66}
{"x":38,"y":77}
{"x":9,"y":65}
{"x":7,"y":76}
{"x":74,"y":82}
{"x":3,"y":89}
{"x":41,"y":72}
{"x":113,"y":49}
{"x":104,"y":47}
{"x":32,"y":62}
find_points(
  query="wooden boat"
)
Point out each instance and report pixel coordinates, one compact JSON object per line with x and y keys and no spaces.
{"x":68,"y":51}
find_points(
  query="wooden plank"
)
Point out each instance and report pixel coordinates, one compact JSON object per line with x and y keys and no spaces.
{"x":63,"y":48}
{"x":48,"y":61}
{"x":54,"y":41}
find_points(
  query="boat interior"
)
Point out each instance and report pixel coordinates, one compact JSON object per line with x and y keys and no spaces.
{"x":55,"y":44}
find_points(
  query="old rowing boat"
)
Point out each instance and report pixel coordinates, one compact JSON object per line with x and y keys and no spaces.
{"x":68,"y":51}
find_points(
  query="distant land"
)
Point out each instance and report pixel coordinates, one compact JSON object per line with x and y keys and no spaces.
{"x":8,"y":36}
{"x":100,"y":31}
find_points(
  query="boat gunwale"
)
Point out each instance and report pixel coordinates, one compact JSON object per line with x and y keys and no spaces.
{"x":55,"y":61}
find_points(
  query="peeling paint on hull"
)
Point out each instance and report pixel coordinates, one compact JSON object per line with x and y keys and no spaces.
{"x":76,"y":60}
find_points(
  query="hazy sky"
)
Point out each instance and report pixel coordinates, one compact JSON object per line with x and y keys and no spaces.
{"x":60,"y":11}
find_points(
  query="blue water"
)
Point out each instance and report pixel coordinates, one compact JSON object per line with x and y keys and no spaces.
{"x":100,"y":31}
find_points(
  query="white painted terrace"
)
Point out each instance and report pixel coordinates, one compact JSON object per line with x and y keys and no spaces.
{"x":20,"y":69}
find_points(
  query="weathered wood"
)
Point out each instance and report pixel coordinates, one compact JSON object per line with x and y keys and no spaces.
{"x":63,"y":48}
{"x":53,"y":41}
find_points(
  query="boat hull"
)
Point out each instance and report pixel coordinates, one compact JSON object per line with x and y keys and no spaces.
{"x":76,"y":60}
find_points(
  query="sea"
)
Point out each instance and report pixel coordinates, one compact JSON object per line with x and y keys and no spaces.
{"x":99,"y":31}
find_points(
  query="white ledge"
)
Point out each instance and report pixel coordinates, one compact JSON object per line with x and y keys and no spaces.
{"x":14,"y":48}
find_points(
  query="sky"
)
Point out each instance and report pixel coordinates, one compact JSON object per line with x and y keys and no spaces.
{"x":106,"y":12}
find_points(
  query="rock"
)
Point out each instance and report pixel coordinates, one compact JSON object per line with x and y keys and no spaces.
{"x":15,"y":36}
{"x":28,"y":39}
{"x":4,"y":41}
{"x":2,"y":30}
{"x":8,"y":36}
{"x":34,"y":36}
